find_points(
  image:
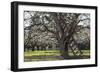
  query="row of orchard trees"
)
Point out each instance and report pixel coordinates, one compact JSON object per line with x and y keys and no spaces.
{"x":53,"y":30}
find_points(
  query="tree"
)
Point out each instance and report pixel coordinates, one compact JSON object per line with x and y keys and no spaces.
{"x":61,"y":26}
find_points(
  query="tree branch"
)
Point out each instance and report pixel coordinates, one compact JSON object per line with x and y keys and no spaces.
{"x":48,"y":29}
{"x":83,"y":20}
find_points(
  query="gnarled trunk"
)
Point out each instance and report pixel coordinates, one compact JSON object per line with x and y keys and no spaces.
{"x":64,"y":51}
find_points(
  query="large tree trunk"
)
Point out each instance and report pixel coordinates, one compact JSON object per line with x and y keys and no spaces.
{"x":64,"y":51}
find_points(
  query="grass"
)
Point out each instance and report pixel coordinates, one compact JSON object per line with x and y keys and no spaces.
{"x":49,"y":55}
{"x":41,"y":53}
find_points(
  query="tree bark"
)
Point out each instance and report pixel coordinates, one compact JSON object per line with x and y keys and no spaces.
{"x":63,"y":51}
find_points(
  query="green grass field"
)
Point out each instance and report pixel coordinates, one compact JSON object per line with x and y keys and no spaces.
{"x":51,"y":55}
